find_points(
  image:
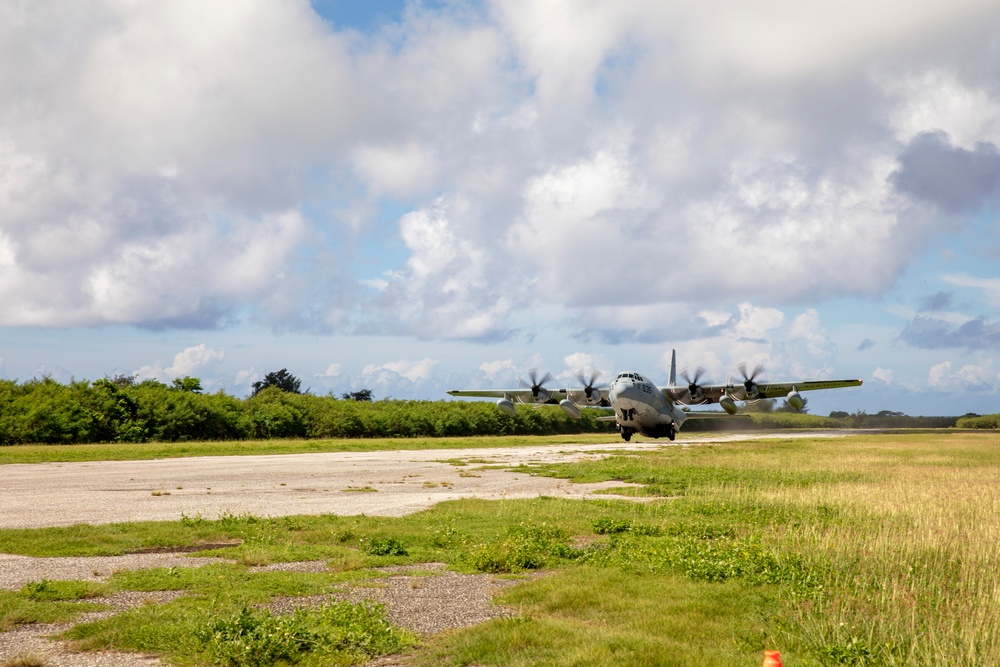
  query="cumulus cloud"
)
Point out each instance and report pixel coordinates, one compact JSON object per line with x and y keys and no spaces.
{"x":969,"y":377}
{"x":389,"y":372}
{"x":333,"y":370}
{"x":494,"y":369}
{"x":444,"y":290}
{"x":187,"y":362}
{"x":883,"y":374}
{"x":624,"y":167}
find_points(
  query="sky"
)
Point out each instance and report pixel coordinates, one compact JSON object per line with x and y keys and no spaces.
{"x":412,"y":197}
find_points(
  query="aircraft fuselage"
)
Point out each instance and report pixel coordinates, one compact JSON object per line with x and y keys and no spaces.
{"x":640,"y":407}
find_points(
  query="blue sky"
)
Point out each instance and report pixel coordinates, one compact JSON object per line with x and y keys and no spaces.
{"x":418,"y":196}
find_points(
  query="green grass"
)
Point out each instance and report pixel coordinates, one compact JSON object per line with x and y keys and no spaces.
{"x":599,"y":616}
{"x":163,"y":450}
{"x":867,"y":550}
{"x":48,"y":602}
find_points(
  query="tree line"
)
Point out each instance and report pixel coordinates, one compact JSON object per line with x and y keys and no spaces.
{"x":123,"y":410}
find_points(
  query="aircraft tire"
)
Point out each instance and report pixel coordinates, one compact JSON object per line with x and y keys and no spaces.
{"x":626,"y":434}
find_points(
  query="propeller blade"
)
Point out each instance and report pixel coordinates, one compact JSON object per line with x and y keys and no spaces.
{"x":588,"y":385}
{"x":750,"y":387}
{"x":693,"y":387}
{"x":537,"y":385}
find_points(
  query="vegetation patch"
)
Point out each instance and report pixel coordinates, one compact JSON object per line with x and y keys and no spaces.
{"x":385,"y":546}
{"x":338,"y":633}
{"x":44,"y":602}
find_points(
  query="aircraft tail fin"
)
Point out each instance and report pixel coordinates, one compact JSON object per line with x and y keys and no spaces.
{"x":673,"y":368}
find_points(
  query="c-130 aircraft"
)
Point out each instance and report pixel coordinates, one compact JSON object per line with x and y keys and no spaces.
{"x":655,"y":412}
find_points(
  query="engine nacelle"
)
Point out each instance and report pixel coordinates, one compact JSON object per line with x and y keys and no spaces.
{"x":542,"y":396}
{"x":570,"y":408}
{"x":728,"y":404}
{"x":506,"y":406}
{"x":795,"y":399}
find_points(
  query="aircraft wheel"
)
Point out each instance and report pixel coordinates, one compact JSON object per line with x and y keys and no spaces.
{"x":672,"y":433}
{"x":626,"y":434}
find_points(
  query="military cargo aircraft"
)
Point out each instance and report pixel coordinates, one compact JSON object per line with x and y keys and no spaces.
{"x":655,"y":412}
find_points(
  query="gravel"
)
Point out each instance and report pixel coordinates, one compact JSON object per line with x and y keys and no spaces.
{"x":425,"y":599}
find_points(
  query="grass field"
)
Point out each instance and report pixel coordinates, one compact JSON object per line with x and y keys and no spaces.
{"x":162,"y":450}
{"x":865,"y":550}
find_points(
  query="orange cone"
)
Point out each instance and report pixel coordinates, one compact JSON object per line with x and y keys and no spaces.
{"x":772,"y":659}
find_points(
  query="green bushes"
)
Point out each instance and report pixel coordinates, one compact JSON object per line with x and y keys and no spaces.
{"x":344,"y":632}
{"x":46,"y":412}
{"x":980,"y":422}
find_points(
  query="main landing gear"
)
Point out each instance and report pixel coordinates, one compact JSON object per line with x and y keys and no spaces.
{"x":669,"y":431}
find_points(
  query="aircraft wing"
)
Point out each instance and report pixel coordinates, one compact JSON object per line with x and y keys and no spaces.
{"x":524,"y":395}
{"x":521,"y":395}
{"x":781,"y":389}
{"x":711,"y":393}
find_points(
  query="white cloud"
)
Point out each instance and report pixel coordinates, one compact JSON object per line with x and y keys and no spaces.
{"x":247,"y":377}
{"x":413,"y":371}
{"x":977,"y":376}
{"x":884,"y":374}
{"x":333,"y":370}
{"x":187,"y":362}
{"x":444,"y":290}
{"x":936,"y":99}
{"x":493,"y":369}
{"x":395,"y":170}
{"x":189,"y":359}
{"x":622,"y":166}
{"x":586,"y":364}
{"x":757,"y":322}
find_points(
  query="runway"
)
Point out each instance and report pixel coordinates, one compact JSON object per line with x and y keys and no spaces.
{"x":393,"y":483}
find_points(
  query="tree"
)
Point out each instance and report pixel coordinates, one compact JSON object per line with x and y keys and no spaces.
{"x":188,"y":383}
{"x":360,"y":395}
{"x":282,"y":379}
{"x":122,"y":381}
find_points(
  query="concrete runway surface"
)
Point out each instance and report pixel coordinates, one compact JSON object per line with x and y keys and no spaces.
{"x":62,"y":494}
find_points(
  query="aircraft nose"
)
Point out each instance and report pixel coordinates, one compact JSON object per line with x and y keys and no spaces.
{"x":622,"y":391}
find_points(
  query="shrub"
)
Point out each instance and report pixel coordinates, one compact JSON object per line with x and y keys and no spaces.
{"x":523,"y":547}
{"x":388,"y":546}
{"x":979,"y":422}
{"x":259,"y":638}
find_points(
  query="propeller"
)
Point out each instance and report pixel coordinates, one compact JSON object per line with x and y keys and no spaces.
{"x":750,"y":387}
{"x":538,"y":391}
{"x":588,"y":385}
{"x":693,"y":390}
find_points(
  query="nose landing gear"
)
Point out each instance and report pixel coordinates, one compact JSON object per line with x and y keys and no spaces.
{"x":626,"y":432}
